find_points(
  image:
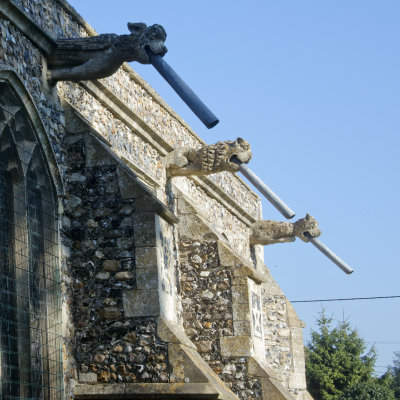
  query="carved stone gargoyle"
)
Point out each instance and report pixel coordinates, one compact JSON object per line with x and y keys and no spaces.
{"x":208,"y":160}
{"x":96,"y":57}
{"x":269,"y":232}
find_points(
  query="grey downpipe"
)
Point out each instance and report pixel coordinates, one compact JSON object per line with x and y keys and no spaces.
{"x":329,"y":253}
{"x":183,"y":90}
{"x":287,"y":212}
{"x":271,"y":196}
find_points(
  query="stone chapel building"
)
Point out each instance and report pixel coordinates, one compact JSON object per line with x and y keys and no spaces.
{"x":117,"y":281}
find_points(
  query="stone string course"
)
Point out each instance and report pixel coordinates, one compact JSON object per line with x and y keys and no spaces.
{"x":206,"y":291}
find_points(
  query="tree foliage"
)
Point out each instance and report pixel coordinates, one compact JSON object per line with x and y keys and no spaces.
{"x":336,"y":359}
{"x":392,"y":376}
{"x":371,"y":390}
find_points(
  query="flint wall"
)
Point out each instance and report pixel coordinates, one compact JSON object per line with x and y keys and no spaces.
{"x":241,"y":324}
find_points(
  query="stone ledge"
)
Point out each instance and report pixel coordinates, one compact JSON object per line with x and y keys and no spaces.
{"x":146,"y":391}
{"x":217,"y":193}
{"x":118,"y":108}
{"x":256,"y":276}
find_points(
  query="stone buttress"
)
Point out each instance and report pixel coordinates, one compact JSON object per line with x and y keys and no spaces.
{"x":162,"y":293}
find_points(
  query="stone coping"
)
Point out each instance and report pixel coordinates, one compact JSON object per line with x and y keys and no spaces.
{"x":146,"y":391}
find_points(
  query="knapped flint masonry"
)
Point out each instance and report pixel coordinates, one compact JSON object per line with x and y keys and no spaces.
{"x":128,"y":284}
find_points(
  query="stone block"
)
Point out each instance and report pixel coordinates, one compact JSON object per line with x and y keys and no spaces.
{"x":246,"y":271}
{"x":99,"y":390}
{"x":241,"y":312}
{"x":147,"y":278}
{"x":275,"y":390}
{"x":242,"y":328}
{"x":236,"y":346}
{"x":226,"y":256}
{"x":146,"y":257}
{"x":284,"y":332}
{"x":145,"y":230}
{"x":261,"y":370}
{"x":128,"y":187}
{"x":124,"y":275}
{"x":89,"y":377}
{"x":240,"y":294}
{"x":141,"y":303}
{"x":97,"y":155}
{"x":297,"y":380}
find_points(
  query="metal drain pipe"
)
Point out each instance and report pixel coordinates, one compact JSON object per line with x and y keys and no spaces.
{"x":183,"y":90}
{"x":288,"y":213}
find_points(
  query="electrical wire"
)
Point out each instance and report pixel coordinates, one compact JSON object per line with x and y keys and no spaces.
{"x":347,"y":299}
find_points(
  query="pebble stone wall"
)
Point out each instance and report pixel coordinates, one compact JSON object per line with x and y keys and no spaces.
{"x":206,"y":291}
{"x":98,"y":225}
{"x":98,"y":260}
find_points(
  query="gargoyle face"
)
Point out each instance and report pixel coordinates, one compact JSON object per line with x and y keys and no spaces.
{"x":307,"y":224}
{"x":149,"y":37}
{"x":240,"y":149}
{"x":155,"y":37}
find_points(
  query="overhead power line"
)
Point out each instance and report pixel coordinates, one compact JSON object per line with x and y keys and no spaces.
{"x":348,"y":299}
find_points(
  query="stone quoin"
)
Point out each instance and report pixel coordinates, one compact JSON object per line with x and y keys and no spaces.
{"x":127,"y":245}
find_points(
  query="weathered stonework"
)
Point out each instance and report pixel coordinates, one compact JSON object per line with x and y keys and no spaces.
{"x":208,"y":160}
{"x":89,"y":58}
{"x":206,"y":290}
{"x":269,"y":232}
{"x":162,"y":293}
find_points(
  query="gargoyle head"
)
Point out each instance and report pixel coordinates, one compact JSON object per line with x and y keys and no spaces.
{"x":306,"y":224}
{"x":151,"y":37}
{"x":238,"y":149}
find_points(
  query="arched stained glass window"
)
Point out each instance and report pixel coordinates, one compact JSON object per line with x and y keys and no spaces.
{"x":30,"y":304}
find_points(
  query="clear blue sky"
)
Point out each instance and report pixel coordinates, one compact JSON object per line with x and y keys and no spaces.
{"x":314,"y":87}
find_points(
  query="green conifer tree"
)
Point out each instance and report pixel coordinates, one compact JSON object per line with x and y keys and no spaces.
{"x":336,"y":359}
{"x":371,"y":390}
